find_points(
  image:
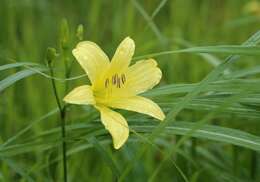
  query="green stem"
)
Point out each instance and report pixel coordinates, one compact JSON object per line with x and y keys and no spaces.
{"x":63,"y":118}
{"x":64,"y":147}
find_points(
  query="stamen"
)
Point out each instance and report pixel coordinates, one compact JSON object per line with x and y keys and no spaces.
{"x":106,"y":82}
{"x":114,"y":79}
{"x":118,"y":82}
{"x":123,"y":78}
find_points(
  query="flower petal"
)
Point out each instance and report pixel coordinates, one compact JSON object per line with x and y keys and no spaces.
{"x":116,"y":124}
{"x":91,"y":58}
{"x":143,"y":75}
{"x":80,"y":95}
{"x":123,"y":55}
{"x":139,"y":104}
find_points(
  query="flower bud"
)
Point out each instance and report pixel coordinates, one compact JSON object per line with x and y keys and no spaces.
{"x":80,"y":32}
{"x":64,"y":34}
{"x":51,"y":54}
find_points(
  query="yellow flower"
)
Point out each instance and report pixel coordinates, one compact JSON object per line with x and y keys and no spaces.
{"x":115,"y":84}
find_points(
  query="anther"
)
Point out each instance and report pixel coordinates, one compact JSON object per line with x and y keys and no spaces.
{"x":118,"y":82}
{"x":106,"y":82}
{"x":114,"y":79}
{"x":123,"y":78}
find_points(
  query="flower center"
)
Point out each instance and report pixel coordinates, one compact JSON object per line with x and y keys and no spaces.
{"x":116,"y":80}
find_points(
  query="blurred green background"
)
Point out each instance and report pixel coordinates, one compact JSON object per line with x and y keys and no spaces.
{"x":28,"y":27}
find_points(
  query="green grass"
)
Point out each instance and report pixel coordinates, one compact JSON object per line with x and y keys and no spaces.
{"x":210,"y":91}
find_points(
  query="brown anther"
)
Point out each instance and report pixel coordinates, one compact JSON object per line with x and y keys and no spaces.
{"x":123,"y":78}
{"x":118,"y":82}
{"x":114,"y":79}
{"x":106,"y":82}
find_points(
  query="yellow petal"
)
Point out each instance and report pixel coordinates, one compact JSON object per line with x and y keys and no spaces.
{"x":139,"y":104}
{"x":80,"y":95}
{"x":116,"y":124}
{"x":92,"y":59}
{"x":123,"y":55}
{"x":143,"y":75}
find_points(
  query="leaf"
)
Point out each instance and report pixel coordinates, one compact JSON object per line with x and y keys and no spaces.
{"x":243,"y":73}
{"x":210,"y":104}
{"x":210,"y":132}
{"x":17,"y":168}
{"x":223,"y":49}
{"x":108,"y":158}
{"x":14,"y":65}
{"x":7,"y":82}
{"x":225,"y":86}
{"x":32,"y":123}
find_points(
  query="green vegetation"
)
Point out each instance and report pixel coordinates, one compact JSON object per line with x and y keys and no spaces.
{"x":210,"y":91}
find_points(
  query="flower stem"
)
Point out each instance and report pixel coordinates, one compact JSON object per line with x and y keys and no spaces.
{"x":64,"y":147}
{"x":62,"y":110}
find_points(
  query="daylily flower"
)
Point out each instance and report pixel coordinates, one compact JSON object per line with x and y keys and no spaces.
{"x":115,"y":84}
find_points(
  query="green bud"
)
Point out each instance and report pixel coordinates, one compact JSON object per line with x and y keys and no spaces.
{"x":51,"y":54}
{"x":80,"y":32}
{"x":64,"y":34}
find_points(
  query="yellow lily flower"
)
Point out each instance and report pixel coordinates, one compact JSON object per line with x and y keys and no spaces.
{"x":115,"y":84}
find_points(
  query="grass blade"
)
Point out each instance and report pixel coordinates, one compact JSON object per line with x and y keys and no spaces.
{"x":7,"y":82}
{"x":15,"y":65}
{"x":105,"y":155}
